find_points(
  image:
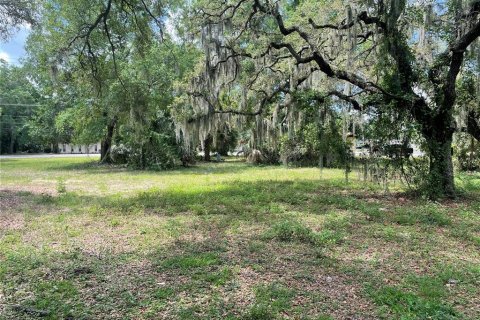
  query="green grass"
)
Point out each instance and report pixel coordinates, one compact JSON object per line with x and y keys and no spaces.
{"x":228,"y":240}
{"x":270,"y":301}
{"x":408,"y":305}
{"x":191,"y":261}
{"x":289,"y":230}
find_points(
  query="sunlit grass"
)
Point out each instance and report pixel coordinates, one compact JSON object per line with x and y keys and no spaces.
{"x":230,"y":240}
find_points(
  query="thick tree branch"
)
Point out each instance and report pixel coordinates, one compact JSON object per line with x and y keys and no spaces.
{"x":90,"y":28}
{"x":457,"y":51}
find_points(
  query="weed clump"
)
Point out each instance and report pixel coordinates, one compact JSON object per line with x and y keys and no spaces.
{"x":192,"y":261}
{"x":294,"y":231}
{"x":61,"y":186}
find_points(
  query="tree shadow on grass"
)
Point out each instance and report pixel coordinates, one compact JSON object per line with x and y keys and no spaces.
{"x":238,"y":199}
{"x":212,"y":278}
{"x":229,"y":198}
{"x":200,"y":168}
{"x":206,"y":278}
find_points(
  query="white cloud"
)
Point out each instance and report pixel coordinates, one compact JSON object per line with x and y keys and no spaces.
{"x":4,"y":56}
{"x":26,"y":26}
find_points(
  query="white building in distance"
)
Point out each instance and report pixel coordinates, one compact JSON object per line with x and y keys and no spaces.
{"x":74,"y":148}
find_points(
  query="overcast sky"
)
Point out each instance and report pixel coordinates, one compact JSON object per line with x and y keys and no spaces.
{"x":13,"y":50}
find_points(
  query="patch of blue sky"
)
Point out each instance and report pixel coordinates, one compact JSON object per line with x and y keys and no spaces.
{"x":13,"y":50}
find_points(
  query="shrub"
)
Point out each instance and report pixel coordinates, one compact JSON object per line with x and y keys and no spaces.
{"x":255,"y":157}
{"x":119,"y":154}
{"x":294,"y":152}
{"x":271,"y":155}
{"x":264,"y":155}
{"x":61,"y":185}
{"x":467,"y":152}
{"x":153,"y":148}
{"x":226,"y":140}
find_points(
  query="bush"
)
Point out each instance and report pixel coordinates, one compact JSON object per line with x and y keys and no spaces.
{"x":154,"y":147}
{"x":188,"y":157}
{"x":119,"y":154}
{"x":158,"y":153}
{"x":255,"y":157}
{"x":226,"y":141}
{"x":271,"y":155}
{"x":294,"y":152}
{"x":264,"y":155}
{"x":467,"y":152}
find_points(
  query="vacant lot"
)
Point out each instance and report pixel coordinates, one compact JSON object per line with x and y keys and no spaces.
{"x":230,"y":241}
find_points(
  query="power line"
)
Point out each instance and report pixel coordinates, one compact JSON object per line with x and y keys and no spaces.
{"x":19,"y":105}
{"x":15,"y":116}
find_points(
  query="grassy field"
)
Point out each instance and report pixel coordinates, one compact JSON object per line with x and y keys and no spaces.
{"x":230,"y":241}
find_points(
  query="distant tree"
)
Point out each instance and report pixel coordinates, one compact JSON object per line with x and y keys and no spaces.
{"x":19,"y":99}
{"x":113,"y":68}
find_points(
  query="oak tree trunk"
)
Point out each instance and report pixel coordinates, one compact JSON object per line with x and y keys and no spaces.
{"x":55,"y":147}
{"x":207,"y":147}
{"x":441,"y":178}
{"x":11,"y":146}
{"x":106,"y":144}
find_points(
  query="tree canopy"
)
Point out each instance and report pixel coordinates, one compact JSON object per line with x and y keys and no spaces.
{"x":397,"y":57}
{"x":290,"y":81}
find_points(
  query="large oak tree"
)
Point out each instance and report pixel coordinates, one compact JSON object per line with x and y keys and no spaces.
{"x":387,"y":55}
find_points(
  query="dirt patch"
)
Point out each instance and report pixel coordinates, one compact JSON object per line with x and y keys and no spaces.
{"x":10,"y":217}
{"x":247,"y":279}
{"x":11,"y":221}
{"x":319,"y":289}
{"x":32,"y":189}
{"x":107,"y":241}
{"x":10,"y":199}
